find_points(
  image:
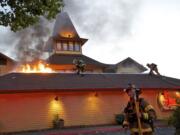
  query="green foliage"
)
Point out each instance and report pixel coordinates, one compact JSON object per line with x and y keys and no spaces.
{"x":19,"y":14}
{"x":175,"y":118}
{"x":119,"y":118}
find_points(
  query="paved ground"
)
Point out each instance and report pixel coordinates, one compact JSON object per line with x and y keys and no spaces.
{"x":104,"y":130}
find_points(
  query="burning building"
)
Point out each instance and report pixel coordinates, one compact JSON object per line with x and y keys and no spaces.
{"x":31,"y":98}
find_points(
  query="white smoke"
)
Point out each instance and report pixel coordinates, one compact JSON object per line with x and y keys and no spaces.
{"x":98,"y":20}
{"x":103,"y":19}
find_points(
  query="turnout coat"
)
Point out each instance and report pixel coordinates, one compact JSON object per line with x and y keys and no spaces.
{"x":147,"y":116}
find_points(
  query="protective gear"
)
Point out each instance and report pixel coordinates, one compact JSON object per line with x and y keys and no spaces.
{"x":147,"y":114}
{"x":153,"y":67}
{"x":80,"y":65}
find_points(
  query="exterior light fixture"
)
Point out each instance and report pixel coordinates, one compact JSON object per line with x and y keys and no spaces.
{"x":56,"y":98}
{"x":96,"y":94}
{"x":177,"y":93}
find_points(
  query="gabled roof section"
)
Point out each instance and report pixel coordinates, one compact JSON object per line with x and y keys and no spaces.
{"x":68,"y":59}
{"x":110,"y":68}
{"x":129,"y":61}
{"x":24,"y":82}
{"x":6,"y":57}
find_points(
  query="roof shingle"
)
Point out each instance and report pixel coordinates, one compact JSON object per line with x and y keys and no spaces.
{"x":69,"y":81}
{"x":68,"y":59}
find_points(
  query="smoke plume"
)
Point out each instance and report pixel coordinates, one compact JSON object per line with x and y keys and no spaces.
{"x":103,"y":19}
{"x":27,"y":44}
{"x":31,"y":41}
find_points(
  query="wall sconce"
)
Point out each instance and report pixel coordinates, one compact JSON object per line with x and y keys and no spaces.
{"x":177,"y":93}
{"x":56,"y":98}
{"x":96,"y":94}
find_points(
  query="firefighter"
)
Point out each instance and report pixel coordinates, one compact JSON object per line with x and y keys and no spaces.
{"x":145,"y":114}
{"x":153,"y":67}
{"x":80,"y":66}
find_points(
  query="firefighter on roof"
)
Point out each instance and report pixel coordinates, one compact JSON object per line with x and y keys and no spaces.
{"x":80,"y":65}
{"x":139,"y":114}
{"x":153,"y":68}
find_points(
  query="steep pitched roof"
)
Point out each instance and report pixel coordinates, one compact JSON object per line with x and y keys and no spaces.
{"x":64,"y":30}
{"x":68,"y":59}
{"x":23,"y":82}
{"x":129,"y":61}
{"x":64,"y":25}
{"x":112,"y":68}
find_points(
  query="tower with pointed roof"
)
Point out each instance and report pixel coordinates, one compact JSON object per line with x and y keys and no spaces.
{"x":65,"y":39}
{"x":65,"y":45}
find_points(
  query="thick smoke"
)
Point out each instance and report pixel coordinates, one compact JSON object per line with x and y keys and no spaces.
{"x":31,"y":41}
{"x":106,"y":23}
{"x":99,"y":20}
{"x":27,"y":44}
{"x":103,"y":19}
{"x":7,"y":39}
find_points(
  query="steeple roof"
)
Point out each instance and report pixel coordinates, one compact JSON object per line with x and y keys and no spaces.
{"x":64,"y":27}
{"x":64,"y":30}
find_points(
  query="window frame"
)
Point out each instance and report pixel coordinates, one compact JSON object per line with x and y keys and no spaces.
{"x":75,"y":47}
{"x":71,"y":46}
{"x":60,"y":45}
{"x":63,"y":46}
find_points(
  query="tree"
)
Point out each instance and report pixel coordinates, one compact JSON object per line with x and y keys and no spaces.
{"x":19,"y":14}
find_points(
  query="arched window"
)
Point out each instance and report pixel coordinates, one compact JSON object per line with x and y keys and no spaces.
{"x":169,"y":100}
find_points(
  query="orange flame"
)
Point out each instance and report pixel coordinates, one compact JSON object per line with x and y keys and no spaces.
{"x":37,"y":68}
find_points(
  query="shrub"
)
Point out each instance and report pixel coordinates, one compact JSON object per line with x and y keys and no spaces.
{"x":119,"y":118}
{"x":57,"y":122}
{"x":175,"y":119}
